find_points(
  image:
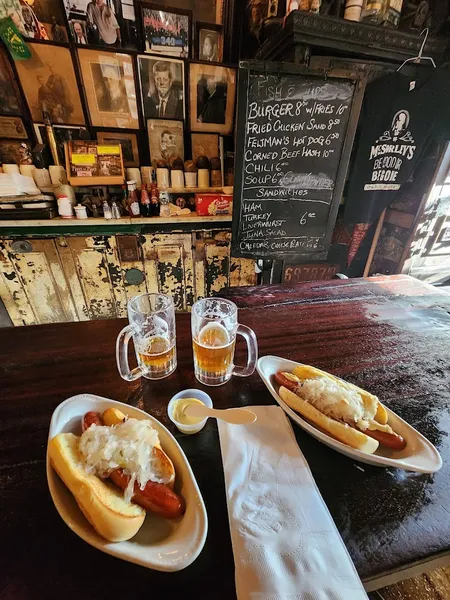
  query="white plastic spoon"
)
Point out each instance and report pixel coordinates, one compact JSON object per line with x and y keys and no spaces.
{"x":236,"y":416}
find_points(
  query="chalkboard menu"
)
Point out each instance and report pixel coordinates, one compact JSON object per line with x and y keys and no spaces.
{"x":292,"y":128}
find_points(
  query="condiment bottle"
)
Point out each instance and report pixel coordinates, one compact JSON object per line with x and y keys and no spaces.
{"x":133,"y":203}
{"x":106,"y":210}
{"x":124,"y":200}
{"x":145,"y":202}
{"x":164,"y":199}
{"x":154,"y":201}
{"x":115,"y":210}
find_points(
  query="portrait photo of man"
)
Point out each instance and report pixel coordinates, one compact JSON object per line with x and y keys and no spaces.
{"x":162,"y":87}
{"x":211,"y":100}
{"x":79,"y":32}
{"x":49,"y":83}
{"x":103,"y":19}
{"x":109,"y":87}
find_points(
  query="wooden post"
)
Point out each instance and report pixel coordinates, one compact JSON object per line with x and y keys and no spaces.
{"x":374,"y":243}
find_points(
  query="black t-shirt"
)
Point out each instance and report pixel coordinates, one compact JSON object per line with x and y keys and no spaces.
{"x":401,"y":115}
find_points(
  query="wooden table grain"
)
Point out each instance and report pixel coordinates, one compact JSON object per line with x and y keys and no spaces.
{"x":390,"y":335}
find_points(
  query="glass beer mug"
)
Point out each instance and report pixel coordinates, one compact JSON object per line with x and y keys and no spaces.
{"x":214,"y":329}
{"x":152,"y":327}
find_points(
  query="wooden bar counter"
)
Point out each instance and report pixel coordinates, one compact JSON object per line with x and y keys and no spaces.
{"x":75,"y":270}
{"x":389,"y":335}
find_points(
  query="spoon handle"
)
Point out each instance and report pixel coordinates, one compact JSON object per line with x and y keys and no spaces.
{"x":236,"y":416}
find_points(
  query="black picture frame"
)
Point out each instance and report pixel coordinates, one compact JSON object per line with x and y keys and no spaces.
{"x":176,"y":107}
{"x":198,"y":41}
{"x":165,"y":49}
{"x":125,"y":15}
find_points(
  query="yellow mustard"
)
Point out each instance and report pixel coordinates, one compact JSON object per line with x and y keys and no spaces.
{"x":178,"y":411}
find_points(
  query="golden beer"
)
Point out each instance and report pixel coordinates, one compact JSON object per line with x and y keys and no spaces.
{"x":156,"y":355}
{"x":213,"y":353}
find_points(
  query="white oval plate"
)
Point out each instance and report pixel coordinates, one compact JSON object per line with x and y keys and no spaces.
{"x":419,"y":455}
{"x":160,"y":544}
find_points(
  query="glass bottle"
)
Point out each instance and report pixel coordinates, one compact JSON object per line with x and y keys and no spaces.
{"x":107,"y":213}
{"x":164,"y":199}
{"x":145,"y":202}
{"x":115,"y":210}
{"x":132,"y":202}
{"x":154,"y":201}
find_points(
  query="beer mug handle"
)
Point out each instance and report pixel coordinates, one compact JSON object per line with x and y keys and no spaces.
{"x":252,"y":349}
{"x":122,"y":356}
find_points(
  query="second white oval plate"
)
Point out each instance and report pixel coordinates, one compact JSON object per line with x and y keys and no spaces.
{"x":160,"y":544}
{"x":419,"y":455}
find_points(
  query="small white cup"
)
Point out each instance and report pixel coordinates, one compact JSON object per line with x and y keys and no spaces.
{"x":200,"y":395}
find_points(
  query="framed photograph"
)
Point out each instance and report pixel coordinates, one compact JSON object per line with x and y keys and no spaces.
{"x":49,"y":83}
{"x":9,"y":92}
{"x":63,"y":133}
{"x":162,"y":87}
{"x":110,"y":91}
{"x":213,"y":91}
{"x":128,"y":141}
{"x":209,"y":42}
{"x":44,"y":20}
{"x":166,"y":30}
{"x":102,"y":22}
{"x":165,"y":138}
{"x":15,"y":152}
{"x":205,"y":144}
{"x":36,"y":19}
{"x":13,"y":128}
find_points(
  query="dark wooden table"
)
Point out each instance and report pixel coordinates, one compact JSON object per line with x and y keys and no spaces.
{"x":390,"y":335}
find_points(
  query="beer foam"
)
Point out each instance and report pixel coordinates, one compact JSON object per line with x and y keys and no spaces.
{"x":221,"y":339}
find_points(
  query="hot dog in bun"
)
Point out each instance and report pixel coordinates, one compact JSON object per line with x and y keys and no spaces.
{"x":116,"y":471}
{"x":344,"y":411}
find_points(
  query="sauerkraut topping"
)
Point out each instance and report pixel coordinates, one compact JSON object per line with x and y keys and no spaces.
{"x":128,"y":446}
{"x":339,"y":402}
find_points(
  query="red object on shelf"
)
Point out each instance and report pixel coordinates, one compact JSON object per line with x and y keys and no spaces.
{"x":213,"y":204}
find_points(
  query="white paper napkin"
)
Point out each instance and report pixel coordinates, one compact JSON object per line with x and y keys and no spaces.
{"x":285,"y":543}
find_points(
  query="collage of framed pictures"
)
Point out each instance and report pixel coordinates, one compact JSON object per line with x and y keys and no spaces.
{"x":102,"y":22}
{"x":138,"y":74}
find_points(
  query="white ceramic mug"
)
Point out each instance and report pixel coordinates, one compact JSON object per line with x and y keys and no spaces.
{"x":10,"y":168}
{"x":58,"y":175}
{"x":177,"y":179}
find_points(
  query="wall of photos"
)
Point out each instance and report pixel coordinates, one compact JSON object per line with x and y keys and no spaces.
{"x":140,"y":74}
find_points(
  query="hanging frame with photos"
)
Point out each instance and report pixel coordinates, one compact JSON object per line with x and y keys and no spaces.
{"x":212,"y":97}
{"x":166,"y":31}
{"x":38,"y":20}
{"x":128,"y":142}
{"x":162,"y":87}
{"x":108,"y":79}
{"x":102,"y":23}
{"x":208,"y":42}
{"x":49,"y":83}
